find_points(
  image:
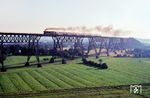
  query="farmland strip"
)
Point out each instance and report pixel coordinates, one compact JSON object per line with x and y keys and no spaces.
{"x":95,"y":78}
{"x":54,"y":79}
{"x":74,"y":77}
{"x":6,"y":84}
{"x":108,"y":77}
{"x":45,"y":82}
{"x":65,"y":78}
{"x":35,"y":85}
{"x":19,"y":83}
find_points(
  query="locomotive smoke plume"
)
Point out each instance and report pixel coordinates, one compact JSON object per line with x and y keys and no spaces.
{"x":110,"y":31}
{"x":97,"y":30}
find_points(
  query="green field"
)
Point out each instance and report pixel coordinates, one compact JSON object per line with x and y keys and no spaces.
{"x":76,"y":79}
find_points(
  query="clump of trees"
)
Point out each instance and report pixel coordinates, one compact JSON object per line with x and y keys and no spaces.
{"x":45,"y":59}
{"x":99,"y":65}
{"x":52,"y":59}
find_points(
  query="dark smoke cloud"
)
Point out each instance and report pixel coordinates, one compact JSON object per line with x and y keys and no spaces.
{"x":97,"y":30}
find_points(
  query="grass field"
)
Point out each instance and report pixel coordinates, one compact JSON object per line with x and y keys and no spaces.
{"x":16,"y":61}
{"x":52,"y":79}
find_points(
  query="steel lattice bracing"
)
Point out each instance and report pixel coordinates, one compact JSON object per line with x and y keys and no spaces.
{"x":59,"y":39}
{"x":31,"y":39}
{"x":59,"y":42}
{"x":95,"y":42}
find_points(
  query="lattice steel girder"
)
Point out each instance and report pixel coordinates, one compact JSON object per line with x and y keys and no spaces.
{"x":33,"y":49}
{"x":66,"y":39}
{"x":103,"y":42}
{"x":98,"y":43}
{"x":92,"y":44}
{"x":18,"y":38}
{"x":59,"y":42}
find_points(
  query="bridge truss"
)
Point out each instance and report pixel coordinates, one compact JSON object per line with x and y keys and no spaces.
{"x":59,"y":39}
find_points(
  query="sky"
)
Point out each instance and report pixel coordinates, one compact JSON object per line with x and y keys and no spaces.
{"x":37,"y":15}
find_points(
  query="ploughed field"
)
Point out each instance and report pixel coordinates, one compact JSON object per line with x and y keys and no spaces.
{"x":74,"y":78}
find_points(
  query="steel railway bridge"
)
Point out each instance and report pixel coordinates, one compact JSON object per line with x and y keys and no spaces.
{"x":59,"y":39}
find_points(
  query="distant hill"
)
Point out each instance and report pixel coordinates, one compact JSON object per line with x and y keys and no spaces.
{"x":144,"y":41}
{"x":134,"y":43}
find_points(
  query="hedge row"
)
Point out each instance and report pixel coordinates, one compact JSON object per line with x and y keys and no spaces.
{"x":93,"y":64}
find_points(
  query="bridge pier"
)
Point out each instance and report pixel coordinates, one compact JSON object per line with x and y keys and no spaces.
{"x":2,"y":57}
{"x":96,"y":43}
{"x":58,"y":46}
{"x":33,"y":49}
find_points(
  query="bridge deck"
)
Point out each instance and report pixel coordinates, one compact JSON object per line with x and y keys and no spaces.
{"x":55,"y":33}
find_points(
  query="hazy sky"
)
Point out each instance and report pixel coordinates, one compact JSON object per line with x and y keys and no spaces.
{"x":36,"y":15}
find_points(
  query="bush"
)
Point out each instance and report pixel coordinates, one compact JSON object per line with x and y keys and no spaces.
{"x":51,"y":60}
{"x":27,"y":64}
{"x":84,"y":60}
{"x":104,"y":66}
{"x":45,"y":59}
{"x":64,"y":61}
{"x":92,"y":63}
{"x":100,"y":61}
{"x":3,"y":69}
